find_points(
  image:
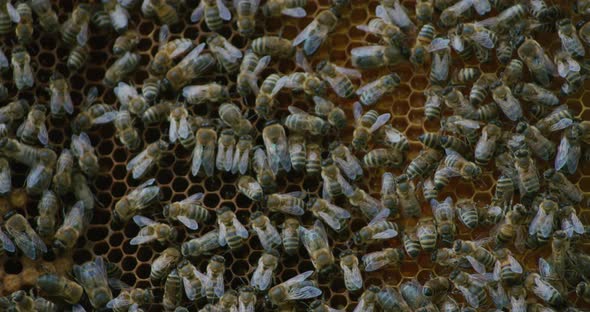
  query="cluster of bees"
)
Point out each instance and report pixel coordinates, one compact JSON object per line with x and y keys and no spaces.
{"x":508,"y":124}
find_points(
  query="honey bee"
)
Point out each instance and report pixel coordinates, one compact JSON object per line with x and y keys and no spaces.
{"x":45,"y":14}
{"x":539,"y":64}
{"x":92,"y":276}
{"x":513,"y":72}
{"x":570,"y":222}
{"x":334,"y":183}
{"x":119,"y":16}
{"x":308,"y":82}
{"x":390,"y":300}
{"x":137,"y":200}
{"x":389,"y":198}
{"x":58,"y":286}
{"x":503,"y":96}
{"x":180,"y":128}
{"x":265,"y":96}
{"x":275,"y":142}
{"x":164,"y":263}
{"x":419,"y":52}
{"x":441,"y":60}
{"x":229,"y":301}
{"x":290,"y":235}
{"x":241,"y":156}
{"x":231,"y":115}
{"x":560,"y":118}
{"x":455,"y":165}
{"x":92,"y":114}
{"x":267,"y":233}
{"x":292,"y":8}
{"x":231,"y":231}
{"x":346,"y":161}
{"x":289,"y":203}
{"x":368,"y":300}
{"x":444,"y":215}
{"x":326,"y":109}
{"x":376,"y":260}
{"x":471,"y":288}
{"x":366,"y":125}
{"x":474,"y":252}
{"x":536,"y":141}
{"x":383,"y":157}
{"x":48,"y":208}
{"x":152,"y":231}
{"x":14,"y":111}
{"x":192,"y":281}
{"x":77,"y":57}
{"x":172,"y":291}
{"x":164,"y":11}
{"x":507,"y":267}
{"x":371,"y":93}
{"x":512,"y":227}
{"x":187,"y":211}
{"x":338,"y":77}
{"x":467,"y":213}
{"x":544,"y":290}
{"x":23,"y":235}
{"x":378,"y":229}
{"x":264,"y":175}
{"x":21,"y":68}
{"x":295,"y":288}
{"x":225,"y":150}
{"x":263,"y":274}
{"x":566,"y":65}
{"x":528,"y":177}
{"x":251,"y":67}
{"x":273,"y":46}
{"x":297,"y":151}
{"x":334,"y":216}
{"x":450,"y":16}
{"x":24,"y":29}
{"x":426,"y":233}
{"x":131,"y":298}
{"x":570,"y":41}
{"x":33,"y":128}
{"x":406,"y":193}
{"x":204,"y":151}
{"x":201,"y":245}
{"x":248,"y":186}
{"x":317,"y":31}
{"x":559,"y":184}
{"x":211,"y":92}
{"x":445,"y":257}
{"x":126,"y":133}
{"x":315,"y":241}
{"x":169,"y":51}
{"x":395,"y":13}
{"x":300,"y":121}
{"x":534,"y":93}
{"x":213,"y":282}
{"x":74,"y":225}
{"x":389,"y":33}
{"x":227,"y":55}
{"x":486,"y":146}
{"x":82,"y":149}
{"x":215,"y":13}
{"x":75,"y":29}
{"x":126,"y":42}
{"x":465,"y":127}
{"x":569,"y":149}
{"x":370,"y":57}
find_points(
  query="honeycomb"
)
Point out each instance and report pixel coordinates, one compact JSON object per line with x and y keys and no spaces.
{"x":173,"y":175}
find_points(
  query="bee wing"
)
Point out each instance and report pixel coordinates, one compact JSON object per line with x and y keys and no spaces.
{"x":193,"y":54}
{"x":144,"y":185}
{"x":139,"y":164}
{"x":497,"y":270}
{"x":197,"y":158}
{"x":357,"y":110}
{"x":535,"y":223}
{"x":339,"y":212}
{"x":483,"y":39}
{"x":294,"y":12}
{"x":349,"y":72}
{"x":222,"y":232}
{"x":499,"y":297}
{"x":469,"y":297}
{"x":189,"y":223}
{"x":374,"y":261}
{"x":514,"y":265}
{"x":189,"y":290}
{"x":181,"y":48}
{"x":305,"y":33}
{"x":305,"y":292}
{"x":356,"y":277}
{"x":35,"y":175}
{"x":142,"y":221}
{"x":125,"y":93}
{"x":78,"y":308}
{"x":477,"y":266}
{"x":12,"y":12}
{"x":106,"y":118}
{"x":173,"y":130}
{"x":232,"y":50}
{"x":349,"y":168}
{"x":382,"y":215}
{"x":119,"y":302}
{"x":371,"y":86}
{"x":197,"y":13}
{"x":457,"y":43}
{"x":4,"y":63}
{"x":330,"y":220}
{"x":262,"y":64}
{"x":574,"y":158}
{"x":437,"y":44}
{"x":43,"y":136}
{"x":163,"y":35}
{"x":468,"y":123}
{"x":381,"y":120}
{"x":246,"y":308}
{"x":563,"y":152}
{"x":573,"y":65}
{"x":24,"y":243}
{"x":219,"y":288}
{"x":482,"y":6}
{"x":75,"y":215}
{"x":119,"y":17}
{"x":7,"y":244}
{"x":224,"y":12}
{"x":138,"y":240}
{"x":82,"y":36}
{"x":240,"y":229}
{"x":391,"y":233}
{"x":368,"y":29}
{"x":282,"y":82}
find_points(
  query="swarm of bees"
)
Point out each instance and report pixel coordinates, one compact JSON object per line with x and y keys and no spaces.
{"x":513,"y":125}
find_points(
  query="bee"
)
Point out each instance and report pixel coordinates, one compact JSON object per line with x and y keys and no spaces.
{"x":445,"y":257}
{"x":503,"y":96}
{"x":289,"y":203}
{"x":275,"y":142}
{"x":292,"y":8}
{"x":308,"y":82}
{"x":152,"y":231}
{"x":406,"y":193}
{"x":419,"y":52}
{"x":61,"y":100}
{"x":482,"y":38}
{"x":472,"y":289}
{"x":507,"y":267}
{"x":118,"y":15}
{"x":241,"y":155}
{"x":378,"y":259}
{"x":137,"y":200}
{"x":14,"y":111}
{"x":390,"y":300}
{"x":368,"y":300}
{"x":544,"y":290}
{"x":338,"y":77}
{"x":231,"y":115}
{"x":334,"y":216}
{"x":388,"y":33}
{"x":77,"y":58}
{"x":192,"y":280}
{"x":455,"y":165}
{"x":454,"y":99}
{"x":164,"y":263}
{"x":570,"y":41}
{"x":130,"y":299}
{"x":24,"y":29}
{"x":229,"y":301}
{"x":21,"y":68}
{"x":231,"y":231}
{"x":395,"y":13}
{"x":349,"y":264}
{"x":569,"y":149}
{"x":536,"y":141}
{"x":334,"y":183}
{"x":474,"y":252}
{"x":315,"y":241}
{"x":300,"y":121}
{"x":225,"y":150}
{"x":187,"y":211}
{"x":165,"y":12}
{"x":528,"y":177}
{"x":534,"y":93}
{"x":467,"y":213}
{"x":426,"y":233}
{"x":539,"y":64}
{"x":151,"y":88}
{"x":215,"y":13}
{"x":504,"y":50}
{"x":60,"y":287}
{"x":371,"y":93}
{"x":450,"y":16}
{"x":126,"y":42}
{"x":295,"y":288}
{"x":92,"y":276}
{"x":444,"y":215}
{"x":290,"y":235}
{"x":33,"y":128}
{"x":251,"y":67}
{"x":227,"y":55}
{"x":201,"y":245}
{"x":466,"y":75}
{"x":567,"y":66}
{"x":91,"y":114}
{"x":172,"y":291}
{"x":411,"y":243}
{"x":75,"y":223}
{"x":122,"y":67}
{"x":346,"y":161}
{"x":486,"y":146}
{"x":101,"y":19}
{"x":313,"y":160}
{"x":383,"y":157}
{"x":560,"y":118}
{"x":75,"y":29}
{"x":214,"y":285}
{"x":204,"y":151}
{"x":378,"y":229}
{"x":513,"y":72}
{"x":40,"y":160}
{"x":248,"y":186}
{"x":314,"y":34}
{"x":263,"y":274}
{"x":200,"y":94}
{"x":441,"y":60}
{"x":267,"y":233}
{"x":48,"y":208}
{"x":82,"y":149}
{"x":366,"y":125}
{"x":46,"y":15}
{"x":273,"y":46}
{"x":23,"y":235}
{"x":424,"y":10}
{"x":462,"y":126}
{"x":297,"y":151}
{"x":264,"y":175}
{"x":570,"y":222}
{"x":168,"y":51}
{"x":247,"y":299}
{"x":126,"y":133}
{"x":559,"y":184}
{"x":389,"y":198}
{"x":369,"y":57}
{"x":265,"y":96}
{"x":436,"y":288}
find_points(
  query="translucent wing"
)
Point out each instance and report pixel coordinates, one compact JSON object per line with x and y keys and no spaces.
{"x":224,"y":12}
{"x":298,"y":278}
{"x":382,"y":215}
{"x":305,"y":33}
{"x":330,"y":220}
{"x":306,"y":292}
{"x":497,"y":271}
{"x":7,"y":244}
{"x":222,"y":233}
{"x":136,"y":160}
{"x":181,"y":47}
{"x":349,"y":72}
{"x":481,"y":6}
{"x":469,"y":297}
{"x":4,"y":63}
{"x":138,"y":240}
{"x":574,"y":158}
{"x":106,"y":118}
{"x":294,"y":12}
{"x":374,"y":261}
{"x":562,"y":153}
{"x":163,"y":35}
{"x":240,"y":229}
{"x":82,"y":36}
{"x":514,"y":265}
{"x":391,"y":233}
{"x":119,"y":17}
{"x":477,"y":266}
{"x":381,"y":120}
{"x":12,"y":12}
{"x":119,"y":302}
{"x":197,"y":13}
{"x":142,"y":221}
{"x":24,"y":243}
{"x":561,"y":124}
{"x":357,"y":110}
{"x":438,"y":44}
{"x":189,"y":223}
